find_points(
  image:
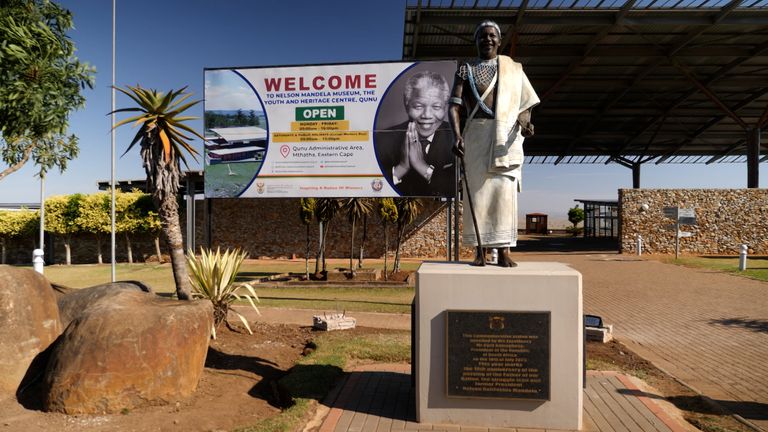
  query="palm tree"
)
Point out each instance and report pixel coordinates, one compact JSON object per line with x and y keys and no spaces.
{"x":407,"y":211}
{"x":388,"y":214}
{"x":356,"y":208}
{"x":325,"y":210}
{"x":163,"y":143}
{"x":306,"y":214}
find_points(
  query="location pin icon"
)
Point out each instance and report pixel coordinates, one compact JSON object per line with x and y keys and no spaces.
{"x":285,"y":150}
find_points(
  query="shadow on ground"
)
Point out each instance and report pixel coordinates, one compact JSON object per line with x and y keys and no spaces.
{"x":705,"y":405}
{"x":278,"y":387}
{"x":756,"y":325}
{"x":559,"y":243}
{"x":383,"y":394}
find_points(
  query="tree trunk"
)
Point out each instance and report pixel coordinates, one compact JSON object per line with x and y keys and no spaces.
{"x":386,"y":251}
{"x":128,"y":248}
{"x":325,"y":238}
{"x":67,"y":251}
{"x":17,"y":166}
{"x":163,"y":174}
{"x":157,"y":250}
{"x":2,"y":245}
{"x":168,"y":211}
{"x":99,"y":255}
{"x":352,"y":247}
{"x":306,"y":256}
{"x":396,"y":267}
{"x":319,"y":256}
{"x":362,"y":243}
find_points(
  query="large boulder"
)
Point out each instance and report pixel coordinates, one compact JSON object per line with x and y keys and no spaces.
{"x":74,"y":301}
{"x":29,"y":323}
{"x":126,"y":350}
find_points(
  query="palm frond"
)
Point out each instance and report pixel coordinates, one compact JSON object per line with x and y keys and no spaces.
{"x":166,"y":144}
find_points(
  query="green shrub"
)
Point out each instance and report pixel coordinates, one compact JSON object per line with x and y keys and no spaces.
{"x":213,"y":278}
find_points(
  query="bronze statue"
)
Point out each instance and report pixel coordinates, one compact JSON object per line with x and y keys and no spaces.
{"x":494,"y":98}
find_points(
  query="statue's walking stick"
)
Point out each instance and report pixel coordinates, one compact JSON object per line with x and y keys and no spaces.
{"x":472,"y":209}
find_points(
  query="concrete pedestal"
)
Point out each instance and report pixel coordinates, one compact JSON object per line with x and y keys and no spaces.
{"x":531,"y":287}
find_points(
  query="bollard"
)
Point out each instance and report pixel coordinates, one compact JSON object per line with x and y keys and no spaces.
{"x":742,"y":257}
{"x":494,"y":256}
{"x":37,"y":260}
{"x":639,"y":245}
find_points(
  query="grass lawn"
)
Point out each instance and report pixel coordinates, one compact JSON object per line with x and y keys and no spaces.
{"x":350,"y":298}
{"x":757,"y":267}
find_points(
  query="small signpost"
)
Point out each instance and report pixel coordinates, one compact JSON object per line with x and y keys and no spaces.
{"x":682,"y":216}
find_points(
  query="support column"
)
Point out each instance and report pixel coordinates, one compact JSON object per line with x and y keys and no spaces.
{"x":208,"y":221}
{"x":753,"y":157}
{"x":190,"y":212}
{"x":636,"y":175}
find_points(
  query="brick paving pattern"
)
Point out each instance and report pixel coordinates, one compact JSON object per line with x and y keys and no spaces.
{"x":707,"y":328}
{"x":383,"y":400}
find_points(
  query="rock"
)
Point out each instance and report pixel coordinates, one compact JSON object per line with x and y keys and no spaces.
{"x":74,"y":301}
{"x":29,"y":323}
{"x":127,"y":350}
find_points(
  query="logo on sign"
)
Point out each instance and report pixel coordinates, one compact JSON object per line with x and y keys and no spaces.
{"x":260,"y":187}
{"x":496,"y":322}
{"x":377,"y":185}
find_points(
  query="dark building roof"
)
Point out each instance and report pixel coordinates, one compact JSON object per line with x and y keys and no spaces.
{"x":628,"y":81}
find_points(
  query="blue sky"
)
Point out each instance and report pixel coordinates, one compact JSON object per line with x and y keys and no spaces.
{"x":166,"y":44}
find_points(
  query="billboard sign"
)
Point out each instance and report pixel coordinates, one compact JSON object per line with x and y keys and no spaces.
{"x":352,"y":130}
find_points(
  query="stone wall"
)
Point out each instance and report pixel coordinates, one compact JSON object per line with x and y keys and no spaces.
{"x":264,"y":227}
{"x":726,"y":218}
{"x":271,"y":228}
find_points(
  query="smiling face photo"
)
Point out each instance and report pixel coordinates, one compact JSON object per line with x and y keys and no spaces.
{"x":426,"y":108}
{"x":412,"y":137}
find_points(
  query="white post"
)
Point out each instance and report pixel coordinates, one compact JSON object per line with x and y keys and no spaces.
{"x":742,"y":257}
{"x":37,"y":260}
{"x":37,"y":254}
{"x":639,"y":245}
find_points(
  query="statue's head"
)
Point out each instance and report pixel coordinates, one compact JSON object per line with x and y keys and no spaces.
{"x":487,"y":39}
{"x":426,"y":101}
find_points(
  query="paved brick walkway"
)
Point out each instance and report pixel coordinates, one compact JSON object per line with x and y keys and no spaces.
{"x":706,"y":328}
{"x":381,"y":399}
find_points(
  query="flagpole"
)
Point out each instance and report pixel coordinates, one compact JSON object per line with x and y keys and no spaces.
{"x":112,"y":132}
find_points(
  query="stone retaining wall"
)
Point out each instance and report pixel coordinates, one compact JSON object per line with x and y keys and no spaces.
{"x":726,"y":218}
{"x":265,"y":228}
{"x":271,"y":228}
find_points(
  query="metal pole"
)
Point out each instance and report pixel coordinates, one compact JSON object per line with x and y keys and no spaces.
{"x":677,"y":238}
{"x":112,"y":133}
{"x":753,"y":157}
{"x":37,"y":255}
{"x":42,"y":211}
{"x":472,"y":210}
{"x":456,"y":245}
{"x":448,"y":230}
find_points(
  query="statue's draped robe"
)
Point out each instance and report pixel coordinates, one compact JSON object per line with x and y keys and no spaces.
{"x":494,"y":160}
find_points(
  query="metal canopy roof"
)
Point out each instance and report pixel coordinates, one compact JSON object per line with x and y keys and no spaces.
{"x":626,"y":81}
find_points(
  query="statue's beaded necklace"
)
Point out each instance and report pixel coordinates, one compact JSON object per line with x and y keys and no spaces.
{"x":482,"y":72}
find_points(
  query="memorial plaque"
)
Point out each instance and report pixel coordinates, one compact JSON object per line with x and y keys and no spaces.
{"x":498,"y":354}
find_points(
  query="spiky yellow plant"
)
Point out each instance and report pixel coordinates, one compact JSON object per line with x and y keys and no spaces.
{"x":213,"y":277}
